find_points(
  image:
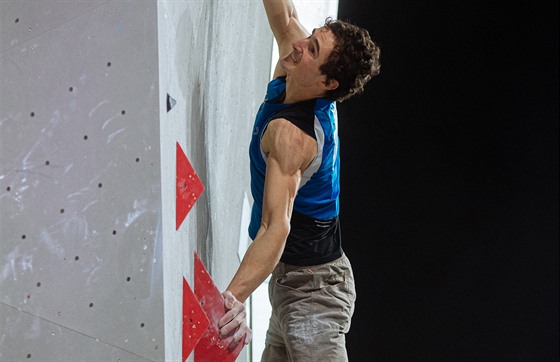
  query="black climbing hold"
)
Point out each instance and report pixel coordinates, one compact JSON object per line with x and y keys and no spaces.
{"x":170,"y":102}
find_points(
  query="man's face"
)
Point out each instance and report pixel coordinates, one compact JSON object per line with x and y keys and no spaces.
{"x":302,"y":65}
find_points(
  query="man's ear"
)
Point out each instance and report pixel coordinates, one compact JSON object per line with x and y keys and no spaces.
{"x":330,"y":84}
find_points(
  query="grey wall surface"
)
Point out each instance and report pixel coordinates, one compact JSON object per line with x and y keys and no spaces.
{"x":91,"y":265}
{"x":215,"y":62}
{"x":81,"y":267}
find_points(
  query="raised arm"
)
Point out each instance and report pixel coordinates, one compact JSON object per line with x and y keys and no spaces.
{"x":285,"y":25}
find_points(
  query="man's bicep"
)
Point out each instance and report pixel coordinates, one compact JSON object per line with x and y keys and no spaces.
{"x":286,"y":28}
{"x":282,"y":18}
{"x":296,"y":32}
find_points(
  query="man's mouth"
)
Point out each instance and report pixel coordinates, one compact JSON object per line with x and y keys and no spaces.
{"x":294,"y":58}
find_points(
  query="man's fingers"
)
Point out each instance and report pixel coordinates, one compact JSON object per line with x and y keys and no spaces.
{"x":229,"y":299}
{"x":234,"y":321}
{"x":232,"y":324}
{"x":248,"y":336}
{"x":243,"y":331}
{"x":226,"y":318}
{"x":231,"y":314}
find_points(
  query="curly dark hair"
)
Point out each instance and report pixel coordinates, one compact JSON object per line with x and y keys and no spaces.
{"x":353,"y":61}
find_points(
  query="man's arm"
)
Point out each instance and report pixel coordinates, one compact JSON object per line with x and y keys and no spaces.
{"x":285,"y":25}
{"x":290,"y":151}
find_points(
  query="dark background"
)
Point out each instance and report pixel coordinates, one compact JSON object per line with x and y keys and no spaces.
{"x":449,"y":203}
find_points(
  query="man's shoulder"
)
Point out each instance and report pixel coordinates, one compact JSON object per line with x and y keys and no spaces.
{"x":288,"y":143}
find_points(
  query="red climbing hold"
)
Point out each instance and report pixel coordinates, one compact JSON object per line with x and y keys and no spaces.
{"x":195,"y":321}
{"x":211,"y":346}
{"x":189,"y":187}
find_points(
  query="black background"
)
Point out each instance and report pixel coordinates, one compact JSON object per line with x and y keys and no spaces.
{"x":449,"y":203}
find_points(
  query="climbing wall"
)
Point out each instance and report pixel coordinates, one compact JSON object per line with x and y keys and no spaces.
{"x":81,"y":255}
{"x":97,"y":97}
{"x":214,"y":61}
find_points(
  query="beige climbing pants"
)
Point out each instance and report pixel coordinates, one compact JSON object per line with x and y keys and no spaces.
{"x":311,"y":312}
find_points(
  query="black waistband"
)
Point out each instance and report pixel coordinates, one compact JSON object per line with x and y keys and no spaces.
{"x":312,"y":241}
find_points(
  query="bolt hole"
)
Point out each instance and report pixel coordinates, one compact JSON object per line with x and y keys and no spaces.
{"x":8,"y":189}
{"x":100,"y":185}
{"x":114,"y":232}
{"x":29,"y":355}
{"x":71,"y":89}
{"x":109,"y":64}
{"x":23,"y":236}
{"x":77,"y":258}
{"x":123,"y":112}
{"x":17,"y":20}
{"x":91,"y":305}
{"x":47,"y":163}
{"x":85,"y":137}
{"x":141,"y":325}
{"x":32,"y":114}
{"x":137,"y":159}
{"x":28,"y":296}
{"x":38,"y":284}
{"x":62,"y":211}
{"x":127,"y":279}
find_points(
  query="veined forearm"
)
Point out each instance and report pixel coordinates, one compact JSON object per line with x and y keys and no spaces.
{"x":259,"y":261}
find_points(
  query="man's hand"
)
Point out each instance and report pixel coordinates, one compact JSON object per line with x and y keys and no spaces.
{"x":235,"y":320}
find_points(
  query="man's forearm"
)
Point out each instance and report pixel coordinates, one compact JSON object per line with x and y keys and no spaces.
{"x":259,"y":261}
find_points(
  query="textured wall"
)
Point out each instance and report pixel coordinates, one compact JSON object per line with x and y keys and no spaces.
{"x":91,"y":265}
{"x":215,"y":62}
{"x":81,"y":266}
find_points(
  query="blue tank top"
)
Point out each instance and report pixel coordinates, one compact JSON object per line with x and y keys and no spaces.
{"x":315,"y":234}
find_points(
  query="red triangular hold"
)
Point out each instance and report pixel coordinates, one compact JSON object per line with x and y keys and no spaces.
{"x":195,"y":321}
{"x":189,"y":187}
{"x":211,"y":347}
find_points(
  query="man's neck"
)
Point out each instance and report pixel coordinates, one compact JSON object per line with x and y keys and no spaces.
{"x":296,"y":94}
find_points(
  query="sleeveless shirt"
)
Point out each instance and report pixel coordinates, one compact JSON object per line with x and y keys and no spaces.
{"x":314,"y":227}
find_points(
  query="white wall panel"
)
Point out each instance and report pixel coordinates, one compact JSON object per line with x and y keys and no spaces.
{"x":30,"y":338}
{"x":87,"y":167}
{"x":80,"y":175}
{"x":214,"y":61}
